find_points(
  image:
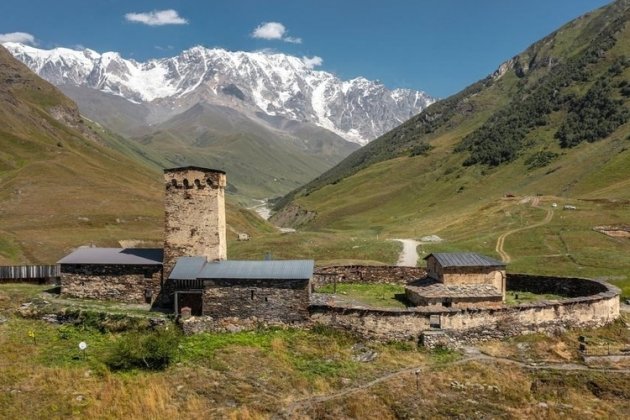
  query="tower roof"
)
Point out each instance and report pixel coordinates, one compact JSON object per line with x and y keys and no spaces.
{"x":195,"y":168}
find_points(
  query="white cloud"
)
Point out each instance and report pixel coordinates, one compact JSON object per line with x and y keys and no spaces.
{"x":21,"y":37}
{"x":157,"y":18}
{"x":274,"y":31}
{"x":312,"y":62}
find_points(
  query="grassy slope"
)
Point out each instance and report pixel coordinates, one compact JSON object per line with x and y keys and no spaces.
{"x":64,"y":183}
{"x":261,"y":162}
{"x":436,"y":194}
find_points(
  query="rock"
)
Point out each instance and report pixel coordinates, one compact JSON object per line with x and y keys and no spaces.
{"x":363,"y":353}
{"x":79,"y":398}
{"x":431,"y":238}
{"x":51,"y":318}
{"x":179,"y":387}
{"x":346,"y":381}
{"x":543,"y":405}
{"x":3,"y":319}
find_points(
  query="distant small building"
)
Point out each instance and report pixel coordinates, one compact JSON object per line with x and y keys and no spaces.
{"x":270,"y":291}
{"x":243,"y":237}
{"x":461,"y":279}
{"x":131,"y":275}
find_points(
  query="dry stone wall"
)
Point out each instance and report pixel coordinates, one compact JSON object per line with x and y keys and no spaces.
{"x":366,"y":274}
{"x":597,"y":305}
{"x":122,"y":283}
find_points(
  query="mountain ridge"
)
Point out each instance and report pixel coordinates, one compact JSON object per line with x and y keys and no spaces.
{"x":273,"y":83}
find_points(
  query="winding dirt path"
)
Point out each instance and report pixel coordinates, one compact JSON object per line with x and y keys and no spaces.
{"x":472,"y":355}
{"x":409,"y":254}
{"x":505,"y":257}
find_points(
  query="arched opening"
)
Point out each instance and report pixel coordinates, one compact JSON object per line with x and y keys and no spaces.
{"x":186,"y":184}
{"x":198,"y":183}
{"x":174,"y":183}
{"x":210,"y":182}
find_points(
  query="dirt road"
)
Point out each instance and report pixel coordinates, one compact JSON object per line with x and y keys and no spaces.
{"x":409,"y":254}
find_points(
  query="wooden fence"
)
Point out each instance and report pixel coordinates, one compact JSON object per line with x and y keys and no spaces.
{"x":40,"y":273}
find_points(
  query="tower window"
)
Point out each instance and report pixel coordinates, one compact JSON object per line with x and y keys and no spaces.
{"x":186,"y":184}
{"x":174,"y":183}
{"x":198,"y":183}
{"x":210,"y":182}
{"x":252,"y":294}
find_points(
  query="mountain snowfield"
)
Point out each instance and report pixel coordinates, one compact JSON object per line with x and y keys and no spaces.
{"x":278,"y":85}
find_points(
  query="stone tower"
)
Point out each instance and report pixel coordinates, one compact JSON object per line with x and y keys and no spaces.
{"x":194,"y":215}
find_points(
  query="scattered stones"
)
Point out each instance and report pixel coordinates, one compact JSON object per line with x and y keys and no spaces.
{"x":363,"y":354}
{"x":3,"y":320}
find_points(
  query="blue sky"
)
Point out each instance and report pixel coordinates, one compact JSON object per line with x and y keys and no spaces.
{"x":439,"y":46}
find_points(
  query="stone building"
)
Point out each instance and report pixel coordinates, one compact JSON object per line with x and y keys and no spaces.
{"x":131,"y":275}
{"x":194,"y":243}
{"x":268,"y":291}
{"x":459,"y":280}
{"x":194,"y":210}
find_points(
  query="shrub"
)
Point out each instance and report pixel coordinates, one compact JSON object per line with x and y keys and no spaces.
{"x":540,"y":159}
{"x":151,"y":351}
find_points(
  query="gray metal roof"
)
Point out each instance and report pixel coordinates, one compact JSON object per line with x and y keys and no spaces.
{"x":114,"y":256}
{"x":188,"y":268}
{"x":465,"y":259}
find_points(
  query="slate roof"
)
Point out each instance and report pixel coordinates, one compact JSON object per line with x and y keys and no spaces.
{"x":430,"y":288}
{"x":189,"y":268}
{"x":114,"y":256}
{"x":465,"y":259}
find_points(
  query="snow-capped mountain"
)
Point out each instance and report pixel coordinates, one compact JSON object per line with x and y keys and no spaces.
{"x":276,"y":85}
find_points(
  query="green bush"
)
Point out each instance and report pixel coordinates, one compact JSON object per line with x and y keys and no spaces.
{"x":540,"y":159}
{"x":150,"y":351}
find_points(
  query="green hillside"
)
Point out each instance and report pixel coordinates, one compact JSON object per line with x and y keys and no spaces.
{"x":66,"y":182}
{"x":550,"y":126}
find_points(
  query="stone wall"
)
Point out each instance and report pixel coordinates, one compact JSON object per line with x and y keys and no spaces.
{"x":366,"y":274}
{"x":285,"y":301}
{"x":194,"y":215}
{"x":122,"y":283}
{"x":598,"y":305}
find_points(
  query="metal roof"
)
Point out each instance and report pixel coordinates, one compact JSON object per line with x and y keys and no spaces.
{"x":196,"y":168}
{"x":188,"y":268}
{"x":114,"y":256}
{"x":465,"y":259}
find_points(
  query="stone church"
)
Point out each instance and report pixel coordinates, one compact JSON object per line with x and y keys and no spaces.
{"x":191,"y":270}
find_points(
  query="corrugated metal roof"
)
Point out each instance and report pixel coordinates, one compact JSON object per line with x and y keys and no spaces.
{"x":187,"y":268}
{"x":268,"y":270}
{"x":115,"y":256}
{"x":465,"y":259}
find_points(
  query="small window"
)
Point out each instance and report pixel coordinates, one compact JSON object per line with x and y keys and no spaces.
{"x":210,"y":182}
{"x":435,"y":321}
{"x":174,"y":183}
{"x":198,"y":183}
{"x":148,"y":274}
{"x":186,"y":184}
{"x":266,"y":299}
{"x":447,"y":302}
{"x":252,"y":294}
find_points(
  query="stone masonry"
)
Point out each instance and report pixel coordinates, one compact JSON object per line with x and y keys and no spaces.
{"x":269,"y":301}
{"x":194,"y":215}
{"x":122,"y":283}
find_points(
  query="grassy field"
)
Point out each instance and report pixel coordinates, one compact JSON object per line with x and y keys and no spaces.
{"x":375,"y":295}
{"x":258,"y":374}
